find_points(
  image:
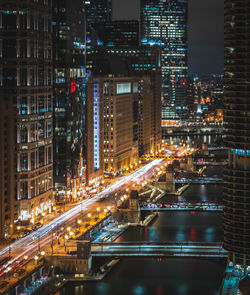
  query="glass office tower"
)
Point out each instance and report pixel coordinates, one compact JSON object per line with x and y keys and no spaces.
{"x":164,"y":22}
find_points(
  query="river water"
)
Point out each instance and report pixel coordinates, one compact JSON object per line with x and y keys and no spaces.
{"x":172,"y":276}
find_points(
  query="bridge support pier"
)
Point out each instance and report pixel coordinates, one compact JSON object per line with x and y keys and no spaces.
{"x":132,"y":214}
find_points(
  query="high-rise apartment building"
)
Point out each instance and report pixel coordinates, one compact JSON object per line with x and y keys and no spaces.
{"x":237,"y":119}
{"x":69,"y":94}
{"x":26,"y":80}
{"x":164,"y":22}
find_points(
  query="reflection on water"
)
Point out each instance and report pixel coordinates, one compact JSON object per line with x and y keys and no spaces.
{"x":179,"y":226}
{"x":151,"y":277}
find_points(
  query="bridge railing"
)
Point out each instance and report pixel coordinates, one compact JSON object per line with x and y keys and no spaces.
{"x":160,"y":243}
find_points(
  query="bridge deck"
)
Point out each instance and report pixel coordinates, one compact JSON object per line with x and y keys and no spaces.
{"x":209,"y":209}
{"x":158,"y":250}
{"x":183,"y":206}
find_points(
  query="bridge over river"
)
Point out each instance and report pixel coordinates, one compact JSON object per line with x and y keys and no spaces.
{"x":183,"y":206}
{"x":200,"y":180}
{"x":158,"y":249}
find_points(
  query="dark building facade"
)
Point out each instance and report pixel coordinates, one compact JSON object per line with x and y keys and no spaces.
{"x":26,"y":79}
{"x":96,"y":12}
{"x":237,"y":119}
{"x":164,"y":22}
{"x":69,"y":94}
{"x":116,"y":33}
{"x":8,"y":210}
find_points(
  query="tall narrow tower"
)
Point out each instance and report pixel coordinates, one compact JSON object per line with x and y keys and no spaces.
{"x":237,"y":119}
{"x":164,"y":22}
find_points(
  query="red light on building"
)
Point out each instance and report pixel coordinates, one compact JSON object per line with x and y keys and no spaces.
{"x":72,"y":86}
{"x":183,"y":81}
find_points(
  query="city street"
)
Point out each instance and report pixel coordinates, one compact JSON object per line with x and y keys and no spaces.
{"x":30,"y":245}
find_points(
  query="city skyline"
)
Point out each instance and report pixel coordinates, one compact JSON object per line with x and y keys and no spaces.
{"x":205,"y":36}
{"x":114,"y":157}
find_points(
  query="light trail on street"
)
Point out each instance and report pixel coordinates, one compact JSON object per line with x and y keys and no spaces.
{"x":28,"y":245}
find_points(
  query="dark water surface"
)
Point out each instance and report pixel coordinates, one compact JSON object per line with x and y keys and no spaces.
{"x":179,"y":227}
{"x":150,"y":277}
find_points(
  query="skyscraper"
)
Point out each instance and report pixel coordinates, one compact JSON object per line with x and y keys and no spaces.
{"x":68,"y":93}
{"x":26,"y":80}
{"x":96,"y":12}
{"x":164,"y":22}
{"x":237,"y":119}
{"x":116,"y":33}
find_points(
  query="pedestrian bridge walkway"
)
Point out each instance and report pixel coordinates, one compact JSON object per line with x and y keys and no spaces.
{"x":158,"y":249}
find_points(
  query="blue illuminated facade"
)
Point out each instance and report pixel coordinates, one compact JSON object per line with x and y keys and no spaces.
{"x":164,"y":22}
{"x":96,"y":126}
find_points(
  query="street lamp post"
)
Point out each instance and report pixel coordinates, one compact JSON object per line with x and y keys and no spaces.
{"x":36,"y":260}
{"x":25,"y":258}
{"x":43,"y":215}
{"x":98,"y":210}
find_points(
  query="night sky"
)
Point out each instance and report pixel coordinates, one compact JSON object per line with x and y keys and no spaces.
{"x":205,"y":32}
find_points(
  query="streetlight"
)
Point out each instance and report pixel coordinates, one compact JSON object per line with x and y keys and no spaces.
{"x":25,"y":258}
{"x":36,"y":259}
{"x":98,"y":210}
{"x":79,"y":222}
{"x":43,"y":215}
